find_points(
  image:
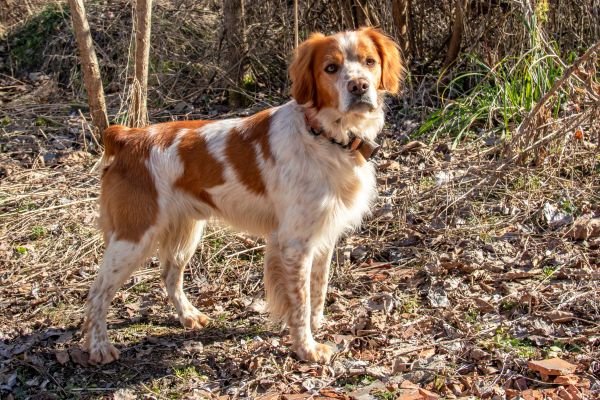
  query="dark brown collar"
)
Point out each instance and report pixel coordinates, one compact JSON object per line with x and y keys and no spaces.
{"x":367,"y":148}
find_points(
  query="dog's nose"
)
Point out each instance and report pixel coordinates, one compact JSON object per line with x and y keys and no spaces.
{"x":358,"y":86}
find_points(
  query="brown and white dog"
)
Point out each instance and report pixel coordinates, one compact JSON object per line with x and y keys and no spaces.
{"x":297,"y":174}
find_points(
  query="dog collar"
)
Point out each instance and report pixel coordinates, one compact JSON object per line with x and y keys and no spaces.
{"x":367,"y":148}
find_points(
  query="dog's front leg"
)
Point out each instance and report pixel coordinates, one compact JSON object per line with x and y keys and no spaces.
{"x":319,"y":277}
{"x":287,"y":282}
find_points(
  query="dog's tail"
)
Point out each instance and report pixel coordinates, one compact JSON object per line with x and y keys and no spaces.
{"x":114,"y":138}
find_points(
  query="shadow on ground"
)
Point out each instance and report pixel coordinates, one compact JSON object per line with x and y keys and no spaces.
{"x":50,"y":363}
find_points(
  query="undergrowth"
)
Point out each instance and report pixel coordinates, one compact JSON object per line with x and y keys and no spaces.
{"x":493,"y":99}
{"x":26,"y":45}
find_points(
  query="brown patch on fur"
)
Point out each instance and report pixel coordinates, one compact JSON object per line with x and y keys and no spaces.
{"x":366,"y":48}
{"x":127,"y":177}
{"x":201,"y":170}
{"x":116,"y":137}
{"x":256,"y":129}
{"x":241,"y":153}
{"x":310,"y":82}
{"x":392,"y":67}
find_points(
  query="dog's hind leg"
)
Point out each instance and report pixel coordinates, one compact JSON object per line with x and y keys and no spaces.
{"x":121,"y":258}
{"x":177,"y":246}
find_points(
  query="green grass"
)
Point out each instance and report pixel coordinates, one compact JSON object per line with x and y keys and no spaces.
{"x":426,"y":182}
{"x":38,"y":232}
{"x":141,"y":288}
{"x":548,"y":271}
{"x":508,"y":305}
{"x":472,"y":315}
{"x":5,"y":121}
{"x":187,"y":373}
{"x":528,"y":183}
{"x":495,"y":98}
{"x":525,"y":348}
{"x":385,"y":394}
{"x":568,"y":207}
{"x":410,"y":305}
{"x":27,"y":206}
{"x":21,"y":250}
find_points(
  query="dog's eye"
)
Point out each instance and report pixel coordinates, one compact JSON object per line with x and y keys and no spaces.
{"x":370,"y":62}
{"x":331,"y":69}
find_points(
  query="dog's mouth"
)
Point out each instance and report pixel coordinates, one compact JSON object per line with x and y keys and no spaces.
{"x":362,"y":104}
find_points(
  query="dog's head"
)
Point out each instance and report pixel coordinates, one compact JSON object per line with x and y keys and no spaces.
{"x":348,"y":72}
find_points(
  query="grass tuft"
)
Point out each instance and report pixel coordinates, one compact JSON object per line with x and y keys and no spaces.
{"x":495,"y":99}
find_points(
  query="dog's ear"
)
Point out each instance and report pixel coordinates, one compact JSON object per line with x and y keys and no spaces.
{"x":301,"y":71}
{"x":392,"y":66}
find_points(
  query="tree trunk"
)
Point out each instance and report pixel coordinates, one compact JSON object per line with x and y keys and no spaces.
{"x":401,"y":17}
{"x":89,"y":66}
{"x":296,"y":32}
{"x":235,"y":36}
{"x":457,"y":33}
{"x":138,"y":115}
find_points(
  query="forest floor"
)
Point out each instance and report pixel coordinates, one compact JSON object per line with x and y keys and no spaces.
{"x":455,"y":288}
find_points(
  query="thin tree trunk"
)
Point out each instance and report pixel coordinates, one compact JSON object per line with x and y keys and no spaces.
{"x":89,"y":65}
{"x":296,"y":33}
{"x":401,"y":17}
{"x":235,"y":35}
{"x":457,"y":33}
{"x":138,"y":115}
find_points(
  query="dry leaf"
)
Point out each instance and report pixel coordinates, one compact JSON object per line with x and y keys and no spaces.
{"x":62,"y":357}
{"x":401,"y":364}
{"x":79,"y":357}
{"x":427,"y":395}
{"x":552,"y":367}
{"x":560,"y":316}
{"x":426,"y":353}
{"x":585,"y":228}
{"x":411,"y":394}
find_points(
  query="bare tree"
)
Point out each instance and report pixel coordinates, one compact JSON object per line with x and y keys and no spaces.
{"x":296,"y":24}
{"x":401,"y":18}
{"x":138,"y":111}
{"x":235,"y":36}
{"x":89,"y":65}
{"x":458,"y":28}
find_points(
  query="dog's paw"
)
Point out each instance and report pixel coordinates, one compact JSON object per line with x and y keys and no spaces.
{"x":194,"y":319}
{"x":102,"y":353}
{"x":320,"y":353}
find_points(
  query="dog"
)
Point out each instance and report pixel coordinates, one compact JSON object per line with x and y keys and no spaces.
{"x":297,"y":174}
